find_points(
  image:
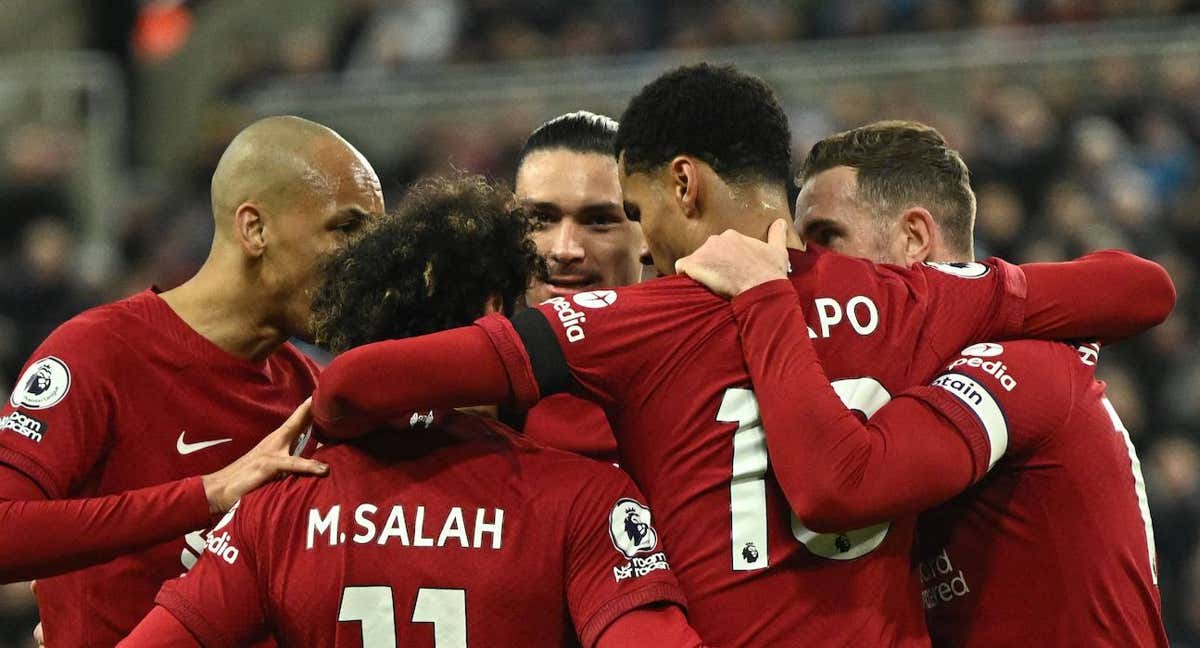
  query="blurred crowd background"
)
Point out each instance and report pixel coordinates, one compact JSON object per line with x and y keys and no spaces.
{"x":1079,"y":119}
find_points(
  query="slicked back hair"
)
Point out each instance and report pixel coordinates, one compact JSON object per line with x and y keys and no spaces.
{"x":580,"y":132}
{"x":902,"y":164}
{"x":727,"y":118}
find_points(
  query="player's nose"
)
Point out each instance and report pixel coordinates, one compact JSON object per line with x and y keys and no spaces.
{"x":567,"y":244}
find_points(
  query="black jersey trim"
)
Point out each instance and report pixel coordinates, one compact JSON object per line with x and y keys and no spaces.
{"x":545,"y":355}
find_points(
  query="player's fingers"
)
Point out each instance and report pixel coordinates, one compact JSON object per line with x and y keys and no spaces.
{"x":39,"y":636}
{"x":33,"y":586}
{"x":301,"y":466}
{"x":777,"y":234}
{"x":682,"y":265}
{"x":294,"y":425}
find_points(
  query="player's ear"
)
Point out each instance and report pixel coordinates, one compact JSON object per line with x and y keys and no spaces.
{"x":919,"y":233}
{"x":686,"y":184}
{"x":249,"y":230}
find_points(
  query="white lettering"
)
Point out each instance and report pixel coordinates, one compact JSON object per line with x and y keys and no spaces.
{"x":454,"y":527}
{"x":495,"y":528}
{"x":419,"y":539}
{"x":571,"y":319}
{"x":365,"y":523}
{"x":829,"y":312}
{"x":395,"y":527}
{"x":327,"y":524}
{"x":852,"y":309}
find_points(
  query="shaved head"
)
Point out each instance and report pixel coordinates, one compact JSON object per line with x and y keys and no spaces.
{"x":286,"y":193}
{"x":281,"y":164}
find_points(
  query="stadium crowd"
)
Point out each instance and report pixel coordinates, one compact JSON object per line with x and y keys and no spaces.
{"x":1058,"y":170}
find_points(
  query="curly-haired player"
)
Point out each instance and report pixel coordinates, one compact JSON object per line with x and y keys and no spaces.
{"x":455,"y":245}
{"x":467,"y":531}
{"x":703,"y":149}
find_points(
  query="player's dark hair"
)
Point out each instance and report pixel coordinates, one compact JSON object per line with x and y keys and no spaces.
{"x":580,"y":131}
{"x":729,"y":119}
{"x":452,"y":244}
{"x":903,"y":164}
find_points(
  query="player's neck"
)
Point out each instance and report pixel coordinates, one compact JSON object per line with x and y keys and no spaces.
{"x":750,"y":209}
{"x":227,"y":313}
{"x":755,"y":222}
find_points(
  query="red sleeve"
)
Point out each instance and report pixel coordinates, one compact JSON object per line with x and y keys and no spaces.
{"x":615,"y":559}
{"x":664,"y":626}
{"x":837,"y":472}
{"x":160,"y":629}
{"x":1007,"y":399}
{"x":968,"y":302}
{"x":378,"y":382}
{"x":1105,"y":295}
{"x":43,"y":538}
{"x":219,"y":600}
{"x":55,"y":424}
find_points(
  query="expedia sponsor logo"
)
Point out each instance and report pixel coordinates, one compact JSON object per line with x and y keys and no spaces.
{"x":966,"y":270}
{"x":595,"y":298}
{"x":219,"y":545}
{"x":994,"y":367}
{"x":26,"y":426}
{"x":571,"y":319}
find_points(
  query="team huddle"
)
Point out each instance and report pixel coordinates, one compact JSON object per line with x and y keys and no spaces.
{"x":826,"y":424}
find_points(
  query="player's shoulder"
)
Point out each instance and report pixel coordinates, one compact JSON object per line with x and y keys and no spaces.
{"x":653,"y":294}
{"x":1026,"y":352}
{"x":832,"y":265}
{"x":105,"y":320}
{"x":99,"y":335}
{"x":1020,"y":371}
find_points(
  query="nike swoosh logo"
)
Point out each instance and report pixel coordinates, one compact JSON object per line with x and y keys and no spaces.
{"x":189,"y":448}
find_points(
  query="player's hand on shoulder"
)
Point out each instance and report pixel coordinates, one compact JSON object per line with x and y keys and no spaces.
{"x":271,"y":458}
{"x":732,"y":263}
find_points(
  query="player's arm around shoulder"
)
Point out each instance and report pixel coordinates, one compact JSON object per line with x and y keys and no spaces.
{"x":615,"y":560}
{"x":1009,"y":398}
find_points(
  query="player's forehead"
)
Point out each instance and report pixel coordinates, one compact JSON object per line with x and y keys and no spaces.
{"x":569,"y":180}
{"x":350,"y":180}
{"x":830,"y":195}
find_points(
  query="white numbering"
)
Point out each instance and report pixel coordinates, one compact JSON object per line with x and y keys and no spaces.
{"x":1139,"y":487}
{"x":748,"y":489}
{"x":373,"y":607}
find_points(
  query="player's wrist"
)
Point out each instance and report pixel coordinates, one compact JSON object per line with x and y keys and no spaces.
{"x":215,"y":493}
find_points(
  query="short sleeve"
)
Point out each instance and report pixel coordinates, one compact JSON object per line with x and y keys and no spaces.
{"x":1006,"y":399}
{"x":971,"y":302}
{"x":56,"y":421}
{"x":615,"y":557}
{"x":219,"y":600}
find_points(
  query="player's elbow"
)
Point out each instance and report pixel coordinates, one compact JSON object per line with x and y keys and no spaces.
{"x":824,"y":510}
{"x":1160,"y":296}
{"x":1155,"y":292}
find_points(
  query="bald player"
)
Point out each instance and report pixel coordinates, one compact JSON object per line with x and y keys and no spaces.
{"x":135,"y":423}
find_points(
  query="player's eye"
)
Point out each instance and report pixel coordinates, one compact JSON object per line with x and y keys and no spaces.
{"x":633,"y":213}
{"x":604,"y":222}
{"x":542,"y":220}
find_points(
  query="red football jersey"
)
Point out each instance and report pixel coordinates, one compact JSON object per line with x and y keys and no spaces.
{"x":126,"y":396}
{"x":664,"y":358}
{"x":1054,"y":545}
{"x":471,"y":537}
{"x":573,"y":424}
